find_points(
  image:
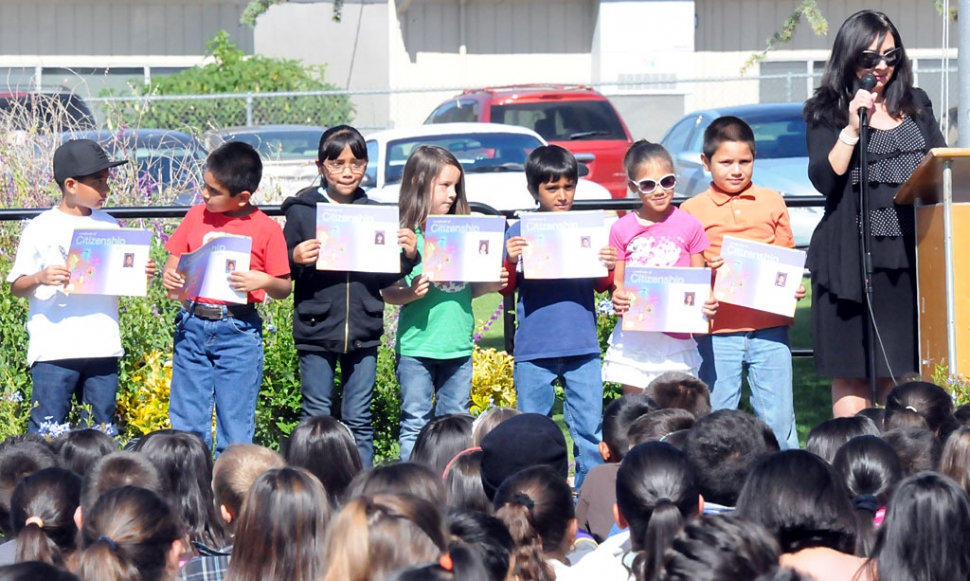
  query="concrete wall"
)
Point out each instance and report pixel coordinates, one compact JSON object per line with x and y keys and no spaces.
{"x":118,"y":27}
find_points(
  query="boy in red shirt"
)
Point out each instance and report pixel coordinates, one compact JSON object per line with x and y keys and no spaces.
{"x":734,"y":206}
{"x":218,"y":354}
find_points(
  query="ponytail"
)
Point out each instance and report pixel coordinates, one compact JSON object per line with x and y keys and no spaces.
{"x":42,"y":514}
{"x":517,"y":515}
{"x":665,"y":522}
{"x":104,"y":560}
{"x":128,"y":536}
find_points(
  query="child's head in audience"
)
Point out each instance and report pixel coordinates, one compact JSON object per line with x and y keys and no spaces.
{"x":800,"y":499}
{"x":460,"y":563}
{"x":870,"y":470}
{"x":42,"y":515}
{"x":617,"y":419}
{"x":658,"y":426}
{"x":80,"y":449}
{"x":116,"y":470}
{"x":551,"y":172}
{"x":234,"y":473}
{"x":281,"y":529}
{"x":130,"y":534}
{"x":486,"y":422}
{"x":433,"y":182}
{"x":373,"y":536}
{"x":682,"y":391}
{"x":521,"y":442}
{"x":656,"y":493}
{"x":463,"y":482}
{"x":877,"y":415}
{"x":18,"y":461}
{"x":536,"y":505}
{"x":962,"y":414}
{"x":826,"y":438}
{"x":723,"y":447}
{"x":925,"y":532}
{"x":440,"y":439}
{"x":720,"y":548}
{"x":918,"y":449}
{"x":910,"y":402}
{"x":33,"y":571}
{"x":399,"y":478}
{"x":728,"y":153}
{"x":955,"y":460}
{"x":326,"y":448}
{"x":184,"y":463}
{"x":488,"y":536}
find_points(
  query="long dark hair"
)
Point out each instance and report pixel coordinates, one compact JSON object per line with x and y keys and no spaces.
{"x":925,"y":531}
{"x":720,"y":548}
{"x":486,"y":535}
{"x":536,"y":505}
{"x":463,"y":482}
{"x":924,"y":400}
{"x":399,"y":478}
{"x":656,"y":493}
{"x":281,"y":530}
{"x":830,"y":104}
{"x":441,"y":439}
{"x":81,"y":449}
{"x":128,"y":536}
{"x":870,"y":470}
{"x":184,"y":463}
{"x":48,"y":499}
{"x":799,"y":498}
{"x":327,"y":449}
{"x":826,"y":438}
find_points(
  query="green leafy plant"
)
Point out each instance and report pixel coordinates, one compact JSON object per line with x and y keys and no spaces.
{"x":808,"y":10}
{"x":231,"y":71}
{"x":957,"y":384}
{"x":257,"y":8}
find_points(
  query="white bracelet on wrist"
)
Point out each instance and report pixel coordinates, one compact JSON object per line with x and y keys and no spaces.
{"x":846,"y":139}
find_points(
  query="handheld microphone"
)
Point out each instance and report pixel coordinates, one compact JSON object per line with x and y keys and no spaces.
{"x":868,"y":82}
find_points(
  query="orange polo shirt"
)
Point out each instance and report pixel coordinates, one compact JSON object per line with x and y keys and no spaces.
{"x":756,"y":214}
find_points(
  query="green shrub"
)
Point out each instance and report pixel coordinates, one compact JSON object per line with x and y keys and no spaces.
{"x":231,"y":72}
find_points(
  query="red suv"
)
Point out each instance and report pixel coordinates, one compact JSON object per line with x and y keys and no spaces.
{"x":575,"y":117}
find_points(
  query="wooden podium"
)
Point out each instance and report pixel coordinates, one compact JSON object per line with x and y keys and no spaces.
{"x":940,"y":190}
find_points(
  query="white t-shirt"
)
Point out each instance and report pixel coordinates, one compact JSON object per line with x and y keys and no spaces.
{"x":63,"y":326}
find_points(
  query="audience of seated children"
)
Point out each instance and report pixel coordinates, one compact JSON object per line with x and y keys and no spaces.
{"x":677,"y":390}
{"x":870,"y":470}
{"x":720,"y":548}
{"x":825,"y":439}
{"x":955,"y":460}
{"x":78,"y":450}
{"x":486,"y":422}
{"x":594,"y":508}
{"x":661,"y":426}
{"x":463,"y":482}
{"x":232,"y":477}
{"x":42,"y":515}
{"x":441,"y":439}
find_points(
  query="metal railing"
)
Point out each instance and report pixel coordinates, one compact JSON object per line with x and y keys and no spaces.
{"x":508,"y":306}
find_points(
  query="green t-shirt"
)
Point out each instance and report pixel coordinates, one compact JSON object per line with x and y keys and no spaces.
{"x":440,"y":324}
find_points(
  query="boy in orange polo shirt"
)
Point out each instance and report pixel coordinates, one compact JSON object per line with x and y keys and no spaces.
{"x":736,"y":207}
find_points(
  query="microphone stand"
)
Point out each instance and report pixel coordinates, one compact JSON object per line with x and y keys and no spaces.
{"x":866,"y":255}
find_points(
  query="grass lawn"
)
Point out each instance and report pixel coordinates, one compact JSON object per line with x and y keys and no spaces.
{"x":813,"y":402}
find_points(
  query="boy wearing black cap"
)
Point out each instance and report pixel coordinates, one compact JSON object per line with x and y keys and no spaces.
{"x":75,"y":341}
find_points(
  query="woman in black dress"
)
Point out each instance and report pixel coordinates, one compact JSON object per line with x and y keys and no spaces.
{"x":903,"y":130}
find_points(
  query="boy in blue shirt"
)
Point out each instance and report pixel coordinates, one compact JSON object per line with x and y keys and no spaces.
{"x":556,"y":336}
{"x":218,"y":353}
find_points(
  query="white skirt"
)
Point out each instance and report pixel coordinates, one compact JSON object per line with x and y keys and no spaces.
{"x":636,"y":358}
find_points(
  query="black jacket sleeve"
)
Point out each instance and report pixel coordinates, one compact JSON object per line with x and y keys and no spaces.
{"x":821,"y":138}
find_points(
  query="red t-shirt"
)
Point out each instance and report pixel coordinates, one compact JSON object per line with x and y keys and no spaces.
{"x":268,"y":255}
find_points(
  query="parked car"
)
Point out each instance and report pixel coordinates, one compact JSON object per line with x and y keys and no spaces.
{"x":168,"y":164}
{"x":45,"y":113}
{"x":575,"y":117}
{"x":288,"y":152}
{"x":493,"y":157}
{"x":781,"y":162}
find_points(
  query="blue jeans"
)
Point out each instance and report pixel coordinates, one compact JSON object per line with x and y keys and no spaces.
{"x":583,"y":409}
{"x":768,"y":355}
{"x":447,"y":381}
{"x":358,"y":372}
{"x":95,"y":381}
{"x":216,"y":362}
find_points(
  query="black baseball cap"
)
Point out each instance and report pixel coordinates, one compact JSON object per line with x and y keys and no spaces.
{"x":79,"y":158}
